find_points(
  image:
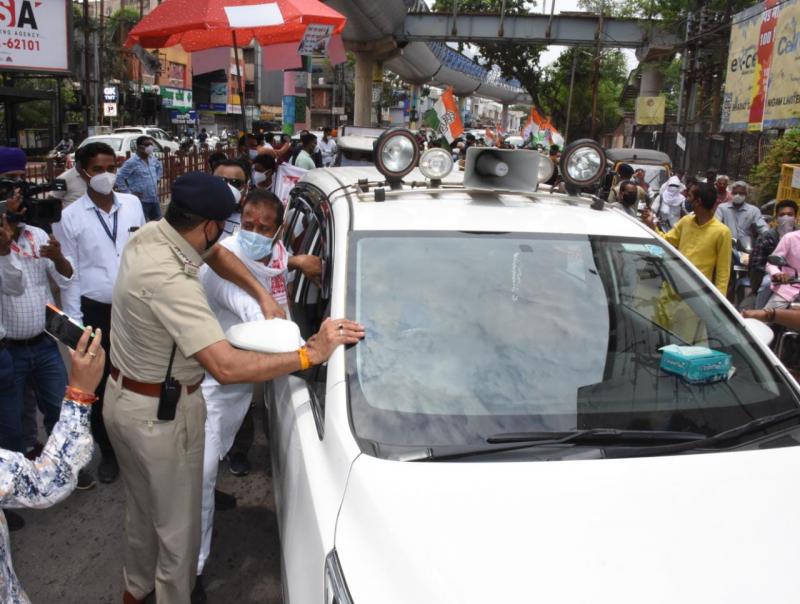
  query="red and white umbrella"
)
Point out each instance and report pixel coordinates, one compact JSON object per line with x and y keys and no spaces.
{"x":203,"y":24}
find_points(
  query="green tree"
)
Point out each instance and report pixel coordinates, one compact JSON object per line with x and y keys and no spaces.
{"x":554,"y":95}
{"x":765,"y":177}
{"x":514,"y":60}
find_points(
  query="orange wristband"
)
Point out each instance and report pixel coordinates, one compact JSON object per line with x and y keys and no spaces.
{"x":305,"y":362}
{"x":79,"y":396}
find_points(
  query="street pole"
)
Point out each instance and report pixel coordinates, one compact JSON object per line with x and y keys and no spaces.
{"x":596,"y":75}
{"x":140,"y":106}
{"x":575,"y":52}
{"x":100,"y":78}
{"x":86,"y":85}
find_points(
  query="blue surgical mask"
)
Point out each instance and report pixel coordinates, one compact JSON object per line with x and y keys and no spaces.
{"x":253,"y":245}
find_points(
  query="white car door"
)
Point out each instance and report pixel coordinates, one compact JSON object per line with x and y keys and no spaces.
{"x":309,"y":466}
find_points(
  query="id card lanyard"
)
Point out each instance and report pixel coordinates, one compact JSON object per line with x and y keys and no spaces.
{"x":112,"y":234}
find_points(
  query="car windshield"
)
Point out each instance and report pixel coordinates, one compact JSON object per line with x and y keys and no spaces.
{"x":471,"y":335}
{"x":113,"y":142}
{"x":655,"y":176}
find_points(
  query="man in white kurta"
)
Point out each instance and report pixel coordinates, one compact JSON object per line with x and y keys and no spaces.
{"x":227,"y":405}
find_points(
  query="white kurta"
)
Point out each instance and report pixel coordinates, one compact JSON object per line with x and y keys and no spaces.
{"x":227,"y":405}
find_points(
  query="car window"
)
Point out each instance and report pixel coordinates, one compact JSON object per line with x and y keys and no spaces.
{"x":473,"y":335}
{"x":309,"y":230}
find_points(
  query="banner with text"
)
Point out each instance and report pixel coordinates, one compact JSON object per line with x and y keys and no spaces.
{"x":762,"y":87}
{"x":34,"y":35}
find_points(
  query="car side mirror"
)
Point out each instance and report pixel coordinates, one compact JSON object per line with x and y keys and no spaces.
{"x":778,"y":261}
{"x":268,"y":336}
{"x":761,"y":331}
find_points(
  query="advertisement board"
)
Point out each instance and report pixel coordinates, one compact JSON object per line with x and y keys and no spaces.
{"x":35,"y":35}
{"x":762,"y":87}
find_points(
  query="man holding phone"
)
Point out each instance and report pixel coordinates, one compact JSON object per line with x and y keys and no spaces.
{"x":93,"y":232}
{"x":165,"y":338}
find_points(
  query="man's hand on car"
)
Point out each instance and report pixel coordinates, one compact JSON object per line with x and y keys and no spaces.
{"x":331,"y":334}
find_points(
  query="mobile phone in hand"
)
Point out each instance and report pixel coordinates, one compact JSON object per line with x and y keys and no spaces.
{"x":62,"y":328}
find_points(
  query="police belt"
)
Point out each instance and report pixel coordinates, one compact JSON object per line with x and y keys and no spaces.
{"x":145,"y":389}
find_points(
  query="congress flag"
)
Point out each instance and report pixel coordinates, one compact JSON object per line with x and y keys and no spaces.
{"x":448,"y":118}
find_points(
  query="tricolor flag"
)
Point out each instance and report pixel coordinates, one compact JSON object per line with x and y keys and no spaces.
{"x":445,"y":118}
{"x":530,"y":131}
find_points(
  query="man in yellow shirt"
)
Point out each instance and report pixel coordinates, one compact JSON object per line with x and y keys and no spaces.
{"x":705,"y":242}
{"x":703,"y":239}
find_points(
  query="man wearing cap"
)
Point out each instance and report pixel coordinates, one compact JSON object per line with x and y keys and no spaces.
{"x":625,"y":173}
{"x":164,"y":331}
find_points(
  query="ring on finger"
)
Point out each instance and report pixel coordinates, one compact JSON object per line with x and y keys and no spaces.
{"x":92,"y":354}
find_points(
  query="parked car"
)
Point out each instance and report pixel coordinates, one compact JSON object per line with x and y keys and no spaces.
{"x":121,"y":143}
{"x":166,"y":140}
{"x":510,"y":430}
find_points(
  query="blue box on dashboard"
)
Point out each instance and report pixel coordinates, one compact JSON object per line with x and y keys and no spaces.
{"x":696,"y":364}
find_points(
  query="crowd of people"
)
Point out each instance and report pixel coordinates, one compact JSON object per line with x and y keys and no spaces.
{"x":158,"y":391}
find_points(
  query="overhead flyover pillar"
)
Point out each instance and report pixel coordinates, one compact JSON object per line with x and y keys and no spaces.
{"x":369,"y":57}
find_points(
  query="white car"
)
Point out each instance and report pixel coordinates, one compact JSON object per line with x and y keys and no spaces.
{"x":123,"y":144}
{"x":505,"y":432}
{"x":164,"y":139}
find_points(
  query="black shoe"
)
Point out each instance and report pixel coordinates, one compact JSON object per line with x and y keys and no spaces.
{"x":14,"y":520}
{"x":239,"y":465}
{"x":223,"y":501}
{"x":85,"y":481}
{"x":108,"y":470}
{"x":199,"y":592}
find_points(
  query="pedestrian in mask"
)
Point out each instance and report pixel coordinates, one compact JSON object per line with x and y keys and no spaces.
{"x":743,"y":219}
{"x":140,"y":176}
{"x":669,"y":205}
{"x":628,"y":198}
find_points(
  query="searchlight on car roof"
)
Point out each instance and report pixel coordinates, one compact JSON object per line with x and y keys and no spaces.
{"x":583,"y":164}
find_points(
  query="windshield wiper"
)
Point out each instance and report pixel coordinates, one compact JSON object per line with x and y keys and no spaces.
{"x":760,"y":423}
{"x":596,"y":436}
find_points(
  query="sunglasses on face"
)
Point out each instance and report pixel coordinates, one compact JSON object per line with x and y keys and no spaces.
{"x":234,"y":182}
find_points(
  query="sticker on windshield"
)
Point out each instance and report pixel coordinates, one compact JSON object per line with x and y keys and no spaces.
{"x":655,"y":250}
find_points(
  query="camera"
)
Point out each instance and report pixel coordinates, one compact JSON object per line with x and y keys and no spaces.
{"x":38,"y":212}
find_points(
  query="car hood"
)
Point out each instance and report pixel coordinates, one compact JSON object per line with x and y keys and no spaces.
{"x":718,"y":527}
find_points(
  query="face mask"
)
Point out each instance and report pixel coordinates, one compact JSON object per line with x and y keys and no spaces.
{"x":103,"y":183}
{"x":210,"y":242}
{"x":630,"y":198}
{"x":149,"y":150}
{"x":253,"y":153}
{"x":258,"y":177}
{"x":253,"y":245}
{"x":785,"y":224}
{"x":738,"y":200}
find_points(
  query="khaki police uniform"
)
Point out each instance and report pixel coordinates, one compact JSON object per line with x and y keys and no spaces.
{"x":159,"y":301}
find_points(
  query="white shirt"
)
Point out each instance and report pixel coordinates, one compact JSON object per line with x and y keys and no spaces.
{"x":76,"y":187}
{"x":328,"y":150}
{"x":84,"y":239}
{"x":23,"y":316}
{"x":304,"y":160}
{"x":11,"y":282}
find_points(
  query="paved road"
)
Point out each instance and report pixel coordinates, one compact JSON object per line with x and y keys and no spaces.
{"x":72,"y":553}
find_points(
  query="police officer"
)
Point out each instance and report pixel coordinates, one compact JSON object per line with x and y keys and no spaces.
{"x":162,"y":326}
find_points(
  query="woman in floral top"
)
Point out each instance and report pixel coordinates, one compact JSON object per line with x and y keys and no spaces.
{"x":53,"y":476}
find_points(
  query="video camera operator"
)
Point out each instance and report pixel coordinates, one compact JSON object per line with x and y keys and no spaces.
{"x":35,"y":356}
{"x":18,"y":195}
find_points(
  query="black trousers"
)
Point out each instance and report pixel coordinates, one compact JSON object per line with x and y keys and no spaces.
{"x":98,"y":315}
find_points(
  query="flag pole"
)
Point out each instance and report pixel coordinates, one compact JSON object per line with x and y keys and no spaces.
{"x":241,"y":81}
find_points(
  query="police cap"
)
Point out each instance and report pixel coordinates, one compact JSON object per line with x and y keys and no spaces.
{"x":205,"y":195}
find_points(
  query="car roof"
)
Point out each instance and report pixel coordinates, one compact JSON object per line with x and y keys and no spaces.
{"x":638,"y":155}
{"x":454,"y":208}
